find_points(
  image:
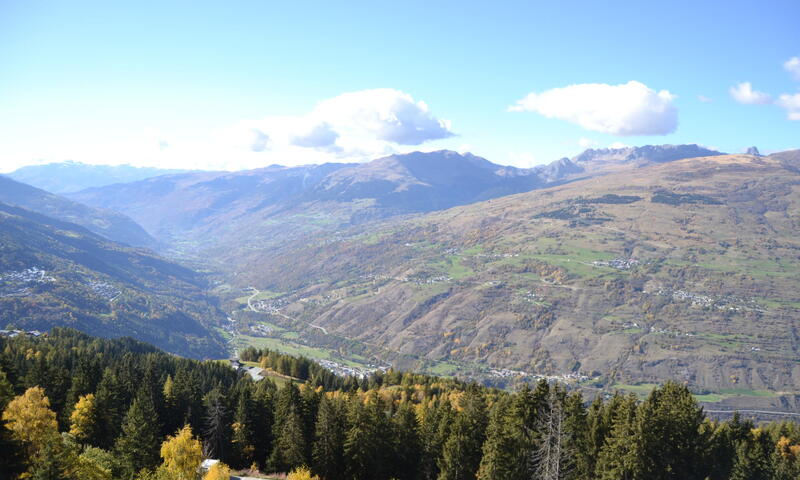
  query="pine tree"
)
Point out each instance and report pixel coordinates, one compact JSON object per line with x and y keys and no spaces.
{"x":111,"y":408}
{"x":436,"y":419}
{"x":328,"y":449}
{"x":137,"y":447}
{"x":366,"y":445}
{"x":461,"y":453}
{"x":243,"y":436}
{"x":619,"y":457}
{"x":503,"y":451}
{"x":752,"y":461}
{"x":217,"y":432}
{"x":407,"y":445}
{"x":669,"y":434}
{"x":289,"y":442}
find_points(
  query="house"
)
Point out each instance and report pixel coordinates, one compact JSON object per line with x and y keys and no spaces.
{"x":256,"y":373}
{"x":207,"y":464}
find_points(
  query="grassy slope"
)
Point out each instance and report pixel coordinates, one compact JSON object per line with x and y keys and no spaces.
{"x":511,"y":282}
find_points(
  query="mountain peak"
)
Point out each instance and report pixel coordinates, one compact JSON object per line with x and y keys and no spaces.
{"x":753,"y":151}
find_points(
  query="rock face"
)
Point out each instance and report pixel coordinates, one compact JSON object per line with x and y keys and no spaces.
{"x":594,"y":159}
{"x":753,"y":151}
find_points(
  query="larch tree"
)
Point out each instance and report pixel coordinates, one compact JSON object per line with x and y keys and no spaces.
{"x":182,"y":454}
{"x":31,"y":421}
{"x":83,"y":420}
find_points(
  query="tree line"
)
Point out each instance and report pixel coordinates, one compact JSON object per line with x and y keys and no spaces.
{"x":80,"y":407}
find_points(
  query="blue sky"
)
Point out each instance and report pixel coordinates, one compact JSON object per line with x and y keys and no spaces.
{"x":242,"y":84}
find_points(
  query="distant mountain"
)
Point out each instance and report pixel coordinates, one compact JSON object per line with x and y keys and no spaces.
{"x":595,"y":160}
{"x":276,"y":204}
{"x":106,"y":223}
{"x":55,"y":273}
{"x":683,"y":270}
{"x":66,"y":177}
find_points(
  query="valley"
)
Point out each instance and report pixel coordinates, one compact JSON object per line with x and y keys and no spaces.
{"x":616,"y":269}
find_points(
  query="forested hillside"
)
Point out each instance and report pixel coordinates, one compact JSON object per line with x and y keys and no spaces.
{"x":127,"y":410}
{"x":55,"y":273}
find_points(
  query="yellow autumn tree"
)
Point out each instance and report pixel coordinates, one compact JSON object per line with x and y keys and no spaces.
{"x":218,"y":471}
{"x":84,"y":418}
{"x":30,"y":419}
{"x":301,"y":473}
{"x":182,"y":454}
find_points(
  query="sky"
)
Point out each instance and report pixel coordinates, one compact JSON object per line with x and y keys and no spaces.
{"x":244,"y":84}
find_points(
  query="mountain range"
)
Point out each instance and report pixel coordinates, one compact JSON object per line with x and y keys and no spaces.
{"x":66,"y":177}
{"x":618,"y":266}
{"x":207,"y":212}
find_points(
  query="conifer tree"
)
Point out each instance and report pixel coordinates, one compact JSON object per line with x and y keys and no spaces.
{"x":619,"y":457}
{"x":137,"y":447}
{"x":182,"y":454}
{"x":366,"y":445}
{"x":328,"y":449}
{"x":243,"y":435}
{"x":84,"y":418}
{"x":406,"y":443}
{"x":217,"y":433}
{"x":461,"y":453}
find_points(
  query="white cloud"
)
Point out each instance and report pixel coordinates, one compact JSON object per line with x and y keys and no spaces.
{"x":587,"y":142}
{"x":793,"y":67}
{"x":352,"y":127}
{"x":618,"y":145}
{"x":791,"y":103}
{"x":704,"y":99}
{"x":743,"y":93}
{"x":627,"y":109}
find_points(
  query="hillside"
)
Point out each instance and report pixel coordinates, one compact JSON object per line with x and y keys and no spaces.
{"x":67,"y":177}
{"x":109,"y":224}
{"x":680,"y":270}
{"x":54,"y":273}
{"x":217,"y":214}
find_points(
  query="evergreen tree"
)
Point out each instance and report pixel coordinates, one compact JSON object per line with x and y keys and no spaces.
{"x":462,"y":451}
{"x":111,"y":408}
{"x":289,"y":442}
{"x":243,"y":436}
{"x":366,"y":444}
{"x":619,"y":457}
{"x":137,"y":447}
{"x":328,"y":449}
{"x":753,"y":455}
{"x":217,"y":422}
{"x":406,"y":443}
{"x":669,"y":434}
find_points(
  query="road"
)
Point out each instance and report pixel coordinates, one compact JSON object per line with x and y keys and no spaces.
{"x":252,"y":308}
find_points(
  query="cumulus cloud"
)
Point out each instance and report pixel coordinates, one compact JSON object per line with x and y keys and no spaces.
{"x":627,"y":109}
{"x":587,"y":142}
{"x":790,"y":103}
{"x":743,"y":93}
{"x":793,"y":67}
{"x":352,"y":126}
